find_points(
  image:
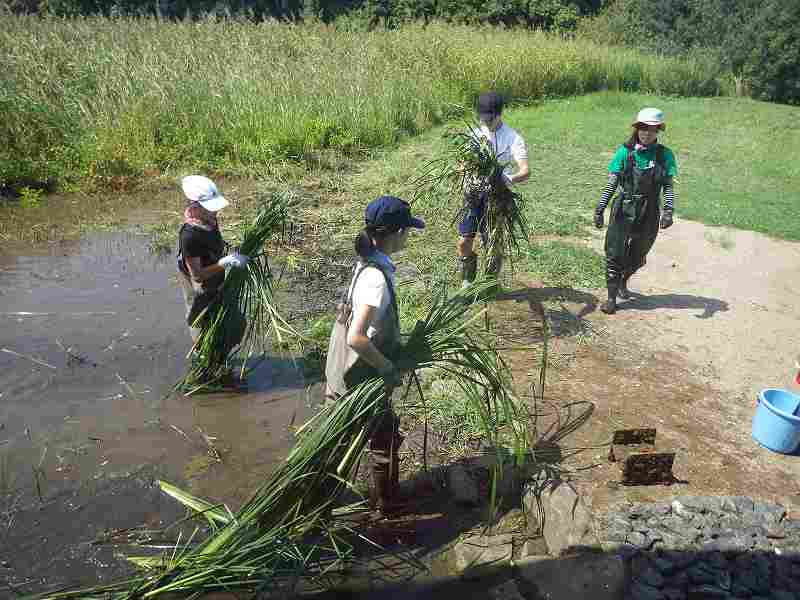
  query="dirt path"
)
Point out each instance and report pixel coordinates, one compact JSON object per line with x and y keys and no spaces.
{"x":716,"y":322}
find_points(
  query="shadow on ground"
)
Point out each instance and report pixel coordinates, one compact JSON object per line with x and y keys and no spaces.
{"x":709,"y":306}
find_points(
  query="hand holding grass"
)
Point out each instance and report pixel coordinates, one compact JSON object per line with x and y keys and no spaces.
{"x":237,"y":261}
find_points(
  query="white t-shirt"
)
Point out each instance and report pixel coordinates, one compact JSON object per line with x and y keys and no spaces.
{"x":507,"y":143}
{"x":371,"y":289}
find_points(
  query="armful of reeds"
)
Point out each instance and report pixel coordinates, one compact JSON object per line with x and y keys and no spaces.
{"x":245,"y":315}
{"x":469,"y":170}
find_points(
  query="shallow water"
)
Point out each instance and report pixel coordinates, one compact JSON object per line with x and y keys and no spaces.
{"x":92,"y":339}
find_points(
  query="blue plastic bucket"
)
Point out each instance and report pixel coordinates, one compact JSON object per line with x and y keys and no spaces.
{"x":776,"y":424}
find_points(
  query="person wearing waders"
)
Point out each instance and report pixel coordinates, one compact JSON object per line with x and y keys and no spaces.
{"x":644,"y":169}
{"x":510,"y":148}
{"x":366,"y":334}
{"x":201,"y":264}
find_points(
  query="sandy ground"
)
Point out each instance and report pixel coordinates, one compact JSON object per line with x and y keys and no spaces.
{"x":713,"y":322}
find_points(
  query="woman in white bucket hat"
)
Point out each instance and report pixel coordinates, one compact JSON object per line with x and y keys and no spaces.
{"x":201,"y":264}
{"x":645,"y":169}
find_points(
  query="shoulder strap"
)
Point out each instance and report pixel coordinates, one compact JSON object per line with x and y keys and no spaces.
{"x":367,"y":264}
{"x":661,"y":158}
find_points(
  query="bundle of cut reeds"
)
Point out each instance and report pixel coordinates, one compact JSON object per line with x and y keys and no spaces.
{"x":470,"y":170}
{"x":267,"y":539}
{"x":244,"y":316}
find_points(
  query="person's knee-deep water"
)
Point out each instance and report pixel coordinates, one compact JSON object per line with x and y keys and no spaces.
{"x":366,"y":333}
{"x":201,"y":252}
{"x":645,"y":170}
{"x":510,"y":148}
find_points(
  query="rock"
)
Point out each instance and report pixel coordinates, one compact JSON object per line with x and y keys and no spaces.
{"x":699,"y":575}
{"x":740,"y":591}
{"x":506,"y":591}
{"x":482,"y":555}
{"x":688,"y":505}
{"x":590,"y":575}
{"x":638,"y":539}
{"x":770,"y":508}
{"x":644,"y":592}
{"x":652,"y":578}
{"x":567,"y":521}
{"x":737,"y":504}
{"x":706,"y":592}
{"x":534,"y":547}
{"x":674,"y":594}
{"x":462,"y":486}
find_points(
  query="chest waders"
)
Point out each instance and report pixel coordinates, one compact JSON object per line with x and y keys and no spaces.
{"x":344,"y":370}
{"x":634,"y":221}
{"x":199,"y":296}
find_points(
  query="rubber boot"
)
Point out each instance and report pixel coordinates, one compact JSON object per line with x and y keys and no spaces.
{"x":610,"y":306}
{"x":469,"y":268}
{"x":623,"y":291}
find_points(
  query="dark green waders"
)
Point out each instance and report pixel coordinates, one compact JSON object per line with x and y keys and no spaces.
{"x":633,"y":226}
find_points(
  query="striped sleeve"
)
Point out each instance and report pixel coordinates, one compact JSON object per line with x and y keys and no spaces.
{"x":611,"y":186}
{"x":669,"y":196}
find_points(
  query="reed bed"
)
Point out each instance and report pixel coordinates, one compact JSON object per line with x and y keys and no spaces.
{"x":105,"y":100}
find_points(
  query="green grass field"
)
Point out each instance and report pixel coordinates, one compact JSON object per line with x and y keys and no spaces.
{"x":570,"y":144}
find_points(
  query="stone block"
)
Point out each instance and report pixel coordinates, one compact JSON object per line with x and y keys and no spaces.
{"x":483,"y":555}
{"x":706,"y":592}
{"x":463,"y":488}
{"x":588,"y":576}
{"x":568,"y":522}
{"x":506,"y":591}
{"x":640,"y":591}
{"x":534,"y":547}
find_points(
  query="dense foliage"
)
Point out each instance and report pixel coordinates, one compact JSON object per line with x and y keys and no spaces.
{"x":756,"y":40}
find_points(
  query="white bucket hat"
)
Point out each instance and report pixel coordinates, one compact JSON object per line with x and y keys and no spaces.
{"x":198,"y":188}
{"x":650,"y":116}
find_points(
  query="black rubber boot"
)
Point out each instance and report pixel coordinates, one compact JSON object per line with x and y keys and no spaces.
{"x":623,"y":291}
{"x":494,"y":266}
{"x":610,"y":306}
{"x":469,"y":268}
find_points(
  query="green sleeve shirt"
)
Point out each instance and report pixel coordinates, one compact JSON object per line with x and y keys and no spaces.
{"x":643,"y":160}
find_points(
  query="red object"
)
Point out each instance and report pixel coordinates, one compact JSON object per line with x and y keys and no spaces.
{"x":797,"y":379}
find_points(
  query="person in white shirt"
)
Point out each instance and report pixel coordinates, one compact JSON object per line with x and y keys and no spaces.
{"x":366,"y":333}
{"x":510,"y":148}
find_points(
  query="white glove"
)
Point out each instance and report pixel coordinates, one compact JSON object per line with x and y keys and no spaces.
{"x":507,"y":180}
{"x":237,"y":261}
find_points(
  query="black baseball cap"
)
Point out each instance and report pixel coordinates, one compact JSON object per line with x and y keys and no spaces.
{"x":390,"y":211}
{"x":490,"y":104}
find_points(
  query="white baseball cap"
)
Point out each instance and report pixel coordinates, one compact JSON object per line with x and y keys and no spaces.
{"x":198,"y":188}
{"x":650,"y":116}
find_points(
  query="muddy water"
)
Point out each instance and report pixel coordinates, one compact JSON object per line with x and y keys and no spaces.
{"x":93,"y":339}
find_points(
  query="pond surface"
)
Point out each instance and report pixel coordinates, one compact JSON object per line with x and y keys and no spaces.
{"x":92,"y":340}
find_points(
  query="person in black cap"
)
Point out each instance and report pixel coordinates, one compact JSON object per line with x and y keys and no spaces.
{"x":366,"y":332}
{"x":510,"y":148}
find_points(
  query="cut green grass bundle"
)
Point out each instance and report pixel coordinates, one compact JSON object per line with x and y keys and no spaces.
{"x":271,"y":536}
{"x":244,"y":315}
{"x":470,"y":169}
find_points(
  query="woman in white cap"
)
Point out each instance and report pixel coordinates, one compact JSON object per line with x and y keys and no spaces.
{"x":645,"y":169}
{"x":201,"y":264}
{"x":366,"y":333}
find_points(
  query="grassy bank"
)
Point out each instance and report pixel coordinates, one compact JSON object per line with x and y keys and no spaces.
{"x":110,"y":101}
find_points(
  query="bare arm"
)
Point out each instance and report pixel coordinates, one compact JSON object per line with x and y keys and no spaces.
{"x":199,"y":272}
{"x":523,"y":173}
{"x":357,"y":339}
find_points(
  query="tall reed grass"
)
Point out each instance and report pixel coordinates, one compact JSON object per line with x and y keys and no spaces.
{"x":98,"y":99}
